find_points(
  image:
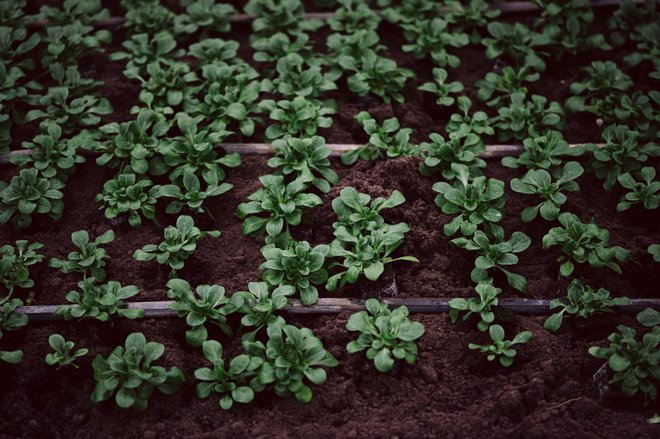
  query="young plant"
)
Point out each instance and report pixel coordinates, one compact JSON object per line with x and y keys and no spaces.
{"x":83,"y":11}
{"x":179,"y":244}
{"x":11,"y":320}
{"x":305,"y":158}
{"x":432,"y":37}
{"x":29,"y":193}
{"x":471,"y":16}
{"x":293,"y":78}
{"x":496,"y":255}
{"x":129,"y":371}
{"x":144,"y":49}
{"x":481,"y":306}
{"x":52,"y":155}
{"x":290,"y":355}
{"x":165,"y":87}
{"x":100,"y":302}
{"x":260,"y":303}
{"x":132,"y":144}
{"x":634,"y":362}
{"x":299,"y":117}
{"x":582,"y":243}
{"x":439,"y":155}
{"x":581,"y":301}
{"x":603,"y":79}
{"x":70,"y":113}
{"x":272,"y":16}
{"x":461,"y":124}
{"x":654,"y":251}
{"x":14,"y":266}
{"x":272,"y":48}
{"x":441,"y":88}
{"x":215,"y":51}
{"x":501,"y":348}
{"x":231,"y":383}
{"x":193,"y":151}
{"x":126,"y":194}
{"x":407,"y":11}
{"x":539,"y":182}
{"x":299,"y":266}
{"x":63,"y":354}
{"x":517,"y":43}
{"x":621,"y":153}
{"x":207,"y":304}
{"x":645,"y":192}
{"x":543,"y":152}
{"x":90,"y":257}
{"x":146,"y":16}
{"x":374,"y":74}
{"x":203,"y":14}
{"x":386,"y":335}
{"x":191,"y":195}
{"x":475,"y":203}
{"x":497,"y":87}
{"x":525,"y":117}
{"x":353,"y":16}
{"x":386,"y":140}
{"x":69,"y":43}
{"x":282,"y":204}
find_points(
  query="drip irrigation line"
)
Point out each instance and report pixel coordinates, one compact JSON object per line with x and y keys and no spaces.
{"x":336,"y":150}
{"x":337,"y":305}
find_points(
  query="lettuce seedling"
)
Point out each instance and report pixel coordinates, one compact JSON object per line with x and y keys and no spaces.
{"x":129,"y":371}
{"x":11,"y":94}
{"x":50,"y":154}
{"x":83,"y":11}
{"x":515,"y":42}
{"x":207,"y":15}
{"x":281,"y":203}
{"x":386,"y":140}
{"x":408,"y":11}
{"x":144,"y":49}
{"x":475,"y":203}
{"x":230,"y":96}
{"x":539,"y":182}
{"x":634,"y":362}
{"x":146,"y":16}
{"x":260,"y":303}
{"x":646,"y":48}
{"x":621,"y":153}
{"x":179,"y":244}
{"x":352,"y":16}
{"x":271,"y":49}
{"x":603,"y":79}
{"x":374,"y":74}
{"x":496,"y":253}
{"x":16,"y":42}
{"x":441,"y":88}
{"x":582,"y":243}
{"x":272,"y":16}
{"x":14,"y":266}
{"x":571,"y":33}
{"x":290,"y":355}
{"x":461,"y":124}
{"x":294,"y":78}
{"x":472,"y":16}
{"x":358,"y":213}
{"x":628,"y":21}
{"x":191,"y":195}
{"x":165,"y":87}
{"x":645,"y":192}
{"x":497,"y":87}
{"x":63,"y":354}
{"x":543,"y":152}
{"x":99,"y":302}
{"x":69,"y":43}
{"x":638,"y":110}
{"x":10,"y":318}
{"x":29,"y":193}
{"x":481,"y":306}
{"x":70,"y":113}
{"x":432,"y":37}
{"x":581,"y":301}
{"x":299,"y":117}
{"x":525,"y":117}
{"x":126,"y":194}
{"x":229,"y":382}
{"x":90,"y":257}
{"x":132,"y":144}
{"x":207,"y":304}
{"x":215,"y":51}
{"x":299,"y":266}
{"x":387,"y":335}
{"x":501,"y":348}
{"x":305,"y":158}
{"x":439,"y":155}
{"x":343,"y":49}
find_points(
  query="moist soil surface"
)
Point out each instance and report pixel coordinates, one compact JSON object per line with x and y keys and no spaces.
{"x":450,"y":392}
{"x":233,"y":259}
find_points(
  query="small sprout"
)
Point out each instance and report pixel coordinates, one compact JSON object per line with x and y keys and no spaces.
{"x":63,"y":354}
{"x":481,"y":306}
{"x":645,"y":192}
{"x":581,"y":301}
{"x":654,"y":250}
{"x":14,"y":266}
{"x":128,"y":194}
{"x":439,"y":155}
{"x":189,"y":194}
{"x":29,"y":193}
{"x":525,"y":117}
{"x":432,"y":37}
{"x":129,"y":371}
{"x":260,"y":303}
{"x":90,"y":259}
{"x":501,"y":348}
{"x":543,"y":152}
{"x":305,"y":158}
{"x":462,"y":124}
{"x":442,"y":89}
{"x":387,"y":335}
{"x":100,"y":302}
{"x":299,"y":117}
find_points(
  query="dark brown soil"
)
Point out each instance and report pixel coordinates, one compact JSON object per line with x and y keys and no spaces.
{"x":450,"y":392}
{"x":233,"y":259}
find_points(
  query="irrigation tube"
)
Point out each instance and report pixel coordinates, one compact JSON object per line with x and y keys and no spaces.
{"x":336,"y":150}
{"x":336,"y":305}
